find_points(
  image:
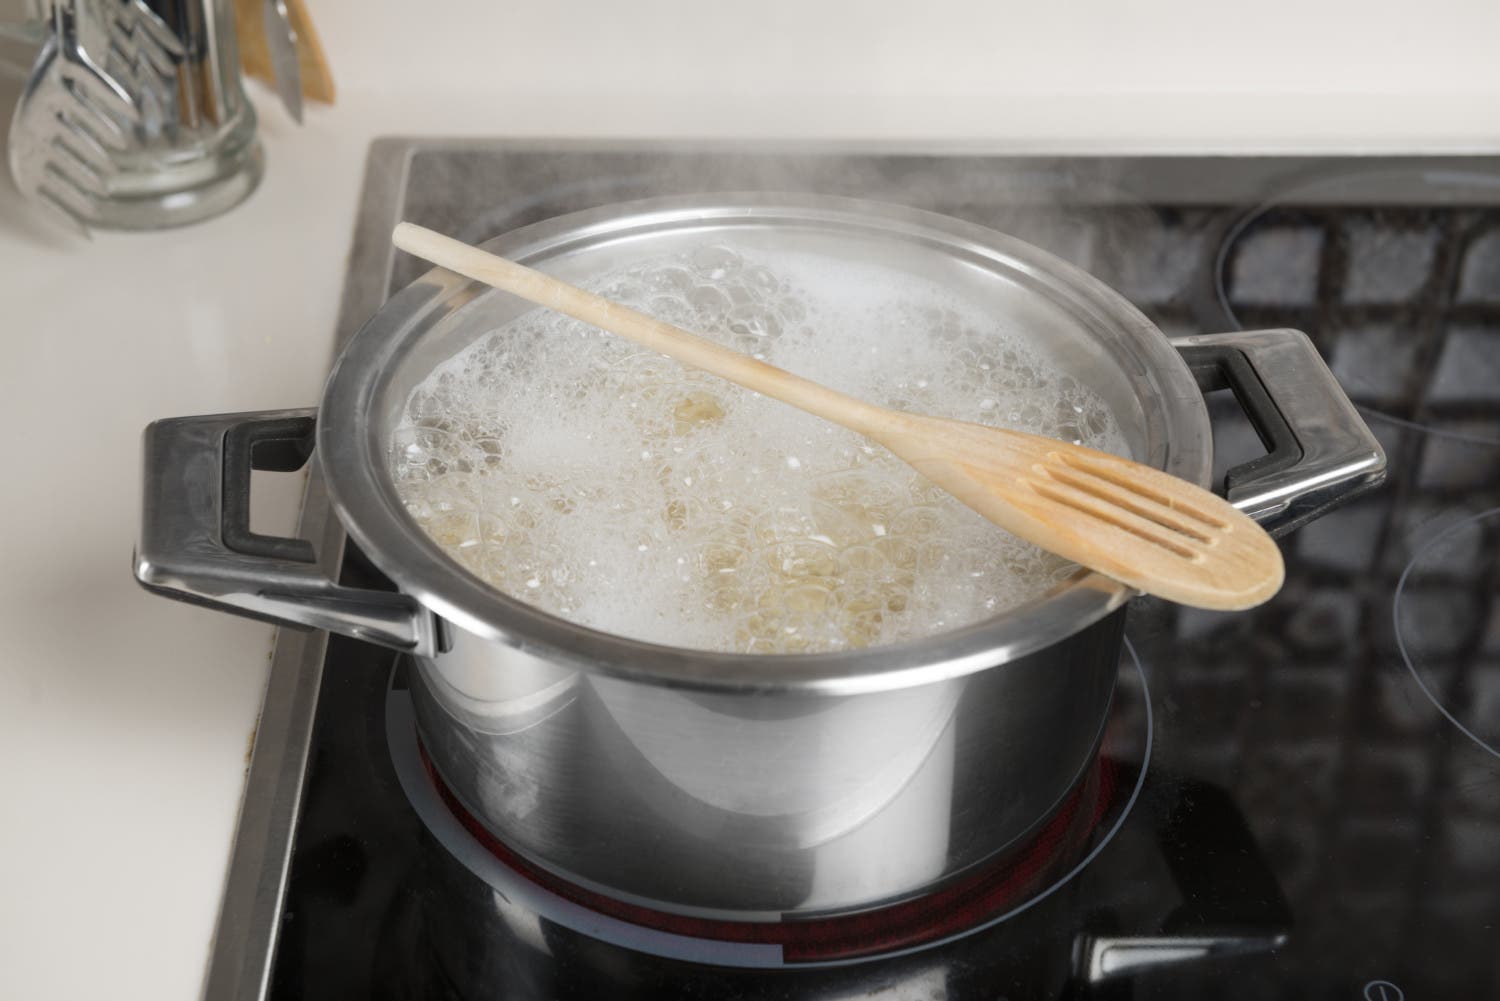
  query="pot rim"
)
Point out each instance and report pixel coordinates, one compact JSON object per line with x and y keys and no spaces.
{"x":352,"y":450}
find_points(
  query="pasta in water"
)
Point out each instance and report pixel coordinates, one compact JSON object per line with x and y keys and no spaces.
{"x":614,"y":487}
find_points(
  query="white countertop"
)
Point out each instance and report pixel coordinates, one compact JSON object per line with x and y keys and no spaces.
{"x":125,"y":719}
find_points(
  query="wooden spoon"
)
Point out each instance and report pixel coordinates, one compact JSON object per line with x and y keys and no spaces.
{"x":1143,"y":527}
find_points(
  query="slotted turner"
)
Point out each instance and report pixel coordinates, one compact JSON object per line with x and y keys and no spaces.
{"x":1143,"y":527}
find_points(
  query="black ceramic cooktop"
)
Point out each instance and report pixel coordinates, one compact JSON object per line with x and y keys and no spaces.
{"x":1312,"y":809}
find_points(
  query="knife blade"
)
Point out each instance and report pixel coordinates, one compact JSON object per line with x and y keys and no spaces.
{"x":281,"y":40}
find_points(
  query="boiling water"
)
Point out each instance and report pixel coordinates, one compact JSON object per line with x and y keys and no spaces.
{"x":612,"y":486}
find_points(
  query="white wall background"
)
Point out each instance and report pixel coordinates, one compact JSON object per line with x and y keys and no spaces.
{"x":1066,"y":75}
{"x":1167,"y":74}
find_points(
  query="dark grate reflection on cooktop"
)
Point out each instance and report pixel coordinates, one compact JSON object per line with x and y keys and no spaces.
{"x":1380,"y":812}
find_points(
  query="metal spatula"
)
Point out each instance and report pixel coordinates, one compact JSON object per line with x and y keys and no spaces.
{"x":1143,"y":527}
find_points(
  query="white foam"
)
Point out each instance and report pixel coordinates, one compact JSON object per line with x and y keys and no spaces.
{"x":614,"y":487}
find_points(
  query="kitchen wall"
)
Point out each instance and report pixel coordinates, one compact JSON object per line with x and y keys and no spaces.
{"x":1164,"y":75}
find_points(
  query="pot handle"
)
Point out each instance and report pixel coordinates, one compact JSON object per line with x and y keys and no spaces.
{"x":196,"y":544}
{"x":1231,"y":902}
{"x":1320,"y":451}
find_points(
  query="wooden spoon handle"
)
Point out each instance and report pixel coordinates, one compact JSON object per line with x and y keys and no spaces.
{"x":647,"y":331}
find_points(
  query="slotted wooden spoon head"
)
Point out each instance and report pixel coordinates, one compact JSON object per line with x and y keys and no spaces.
{"x":1143,"y":527}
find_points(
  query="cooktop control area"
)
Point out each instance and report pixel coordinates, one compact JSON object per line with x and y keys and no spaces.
{"x":1302,"y":800}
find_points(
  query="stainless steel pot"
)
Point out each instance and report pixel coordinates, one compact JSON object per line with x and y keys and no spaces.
{"x":739,"y":786}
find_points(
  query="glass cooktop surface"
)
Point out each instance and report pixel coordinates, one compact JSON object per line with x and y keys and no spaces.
{"x":1298,"y":801}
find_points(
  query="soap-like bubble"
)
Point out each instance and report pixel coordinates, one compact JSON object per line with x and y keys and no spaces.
{"x":613,"y":486}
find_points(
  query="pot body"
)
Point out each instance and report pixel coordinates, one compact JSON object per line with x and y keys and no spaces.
{"x":739,"y":786}
{"x":751,"y":805}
